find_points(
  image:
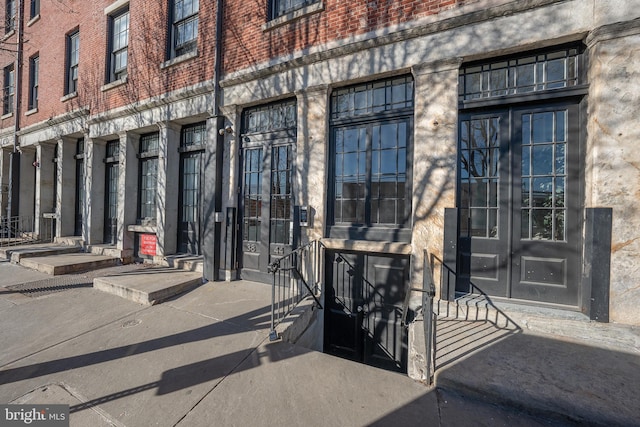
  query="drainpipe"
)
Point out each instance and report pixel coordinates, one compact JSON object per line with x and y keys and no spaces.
{"x":13,"y":201}
{"x":219,"y":138}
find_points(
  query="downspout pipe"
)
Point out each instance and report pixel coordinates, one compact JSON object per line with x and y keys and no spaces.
{"x":13,"y":202}
{"x":219,"y":149}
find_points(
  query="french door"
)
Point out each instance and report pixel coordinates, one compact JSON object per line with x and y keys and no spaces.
{"x":519,"y":198}
{"x":266,"y":206}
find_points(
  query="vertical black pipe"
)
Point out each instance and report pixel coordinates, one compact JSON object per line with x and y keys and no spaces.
{"x":13,"y":201}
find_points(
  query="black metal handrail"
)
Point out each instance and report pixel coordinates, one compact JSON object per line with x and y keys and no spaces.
{"x":428,"y":291}
{"x":22,"y":230}
{"x":295,"y":276}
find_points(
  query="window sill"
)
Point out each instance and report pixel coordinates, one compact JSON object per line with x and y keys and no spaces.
{"x":33,"y":20}
{"x":137,"y":228}
{"x":292,"y":16}
{"x":31,"y":111}
{"x":69,"y":96}
{"x":8,"y":35}
{"x":179,"y":59}
{"x":114,"y":83}
{"x":6,"y":116}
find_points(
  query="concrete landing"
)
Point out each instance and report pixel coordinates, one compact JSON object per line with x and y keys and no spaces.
{"x":68,"y":263}
{"x":581,"y":371}
{"x":149,"y":286}
{"x":16,"y":253}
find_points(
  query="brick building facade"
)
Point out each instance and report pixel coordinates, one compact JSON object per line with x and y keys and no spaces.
{"x":494,"y":135}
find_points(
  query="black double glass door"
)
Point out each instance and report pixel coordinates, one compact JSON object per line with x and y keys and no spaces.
{"x":266,"y":206}
{"x":519,"y":203}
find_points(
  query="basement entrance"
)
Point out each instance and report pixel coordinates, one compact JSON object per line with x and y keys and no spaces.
{"x":363,"y":308}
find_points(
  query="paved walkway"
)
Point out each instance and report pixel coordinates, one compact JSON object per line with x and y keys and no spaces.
{"x":202,"y":359}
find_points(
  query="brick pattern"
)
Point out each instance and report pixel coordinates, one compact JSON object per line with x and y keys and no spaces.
{"x":246,"y":43}
{"x":148,"y":33}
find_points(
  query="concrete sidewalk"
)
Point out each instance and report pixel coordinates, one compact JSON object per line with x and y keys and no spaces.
{"x":201,"y":359}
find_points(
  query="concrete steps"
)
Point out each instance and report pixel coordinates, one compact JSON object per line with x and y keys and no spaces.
{"x":183,"y":262}
{"x":17,"y":253}
{"x":149,"y":286}
{"x":68,"y":263}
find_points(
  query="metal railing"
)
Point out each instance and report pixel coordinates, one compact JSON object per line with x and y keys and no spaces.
{"x":25,"y":230}
{"x":295,"y":276}
{"x":429,"y":316}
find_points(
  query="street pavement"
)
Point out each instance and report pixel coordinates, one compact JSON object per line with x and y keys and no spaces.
{"x":204,"y":359}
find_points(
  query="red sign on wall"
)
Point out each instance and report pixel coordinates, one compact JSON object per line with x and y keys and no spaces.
{"x":148,"y":244}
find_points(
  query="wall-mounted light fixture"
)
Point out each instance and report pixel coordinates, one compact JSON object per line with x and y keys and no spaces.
{"x":227,"y":129}
{"x":36,"y":164}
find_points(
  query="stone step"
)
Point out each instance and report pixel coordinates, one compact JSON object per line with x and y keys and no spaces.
{"x":69,"y":263}
{"x":16,"y":253}
{"x":149,"y":286}
{"x":184,"y":262}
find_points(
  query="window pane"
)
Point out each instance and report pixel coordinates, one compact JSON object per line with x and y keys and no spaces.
{"x":543,"y":127}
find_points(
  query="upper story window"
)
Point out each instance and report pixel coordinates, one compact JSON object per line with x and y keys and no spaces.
{"x":34,"y":71}
{"x":8,"y":89}
{"x":282,"y":7}
{"x":184,"y":29}
{"x":34,"y":9}
{"x":10,"y":16}
{"x":561,"y":68}
{"x":119,"y":45}
{"x":73,"y":58}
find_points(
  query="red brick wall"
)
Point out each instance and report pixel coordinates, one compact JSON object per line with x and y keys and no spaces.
{"x":148,"y":34}
{"x":247,"y":44}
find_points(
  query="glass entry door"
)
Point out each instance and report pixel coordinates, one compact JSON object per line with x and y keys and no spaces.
{"x":520,"y":207}
{"x":267,"y":208}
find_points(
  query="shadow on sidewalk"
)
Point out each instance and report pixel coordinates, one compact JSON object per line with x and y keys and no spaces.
{"x":255,"y":319}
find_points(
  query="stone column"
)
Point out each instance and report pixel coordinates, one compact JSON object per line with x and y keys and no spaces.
{"x":66,"y":187}
{"x":230,"y":176}
{"x":211,"y":199}
{"x":167,"y":190}
{"x":45,"y":171}
{"x":128,"y":196}
{"x":94,"y":173}
{"x":612,"y":163}
{"x":311,"y":159}
{"x":434,"y":178}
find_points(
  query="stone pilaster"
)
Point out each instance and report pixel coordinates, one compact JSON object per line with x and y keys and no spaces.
{"x":311,"y":158}
{"x":168,"y":187}
{"x":434,"y":179}
{"x":45,"y":186}
{"x":94,"y":173}
{"x":231,"y":175}
{"x":66,"y":187}
{"x":128,"y":196}
{"x":612,"y":164}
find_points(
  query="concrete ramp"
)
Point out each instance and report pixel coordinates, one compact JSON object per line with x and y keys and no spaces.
{"x":150,"y":285}
{"x":68,"y":263}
